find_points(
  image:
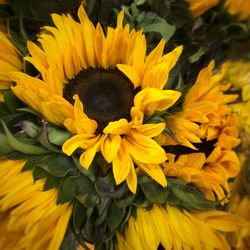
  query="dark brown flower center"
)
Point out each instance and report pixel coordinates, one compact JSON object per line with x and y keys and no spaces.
{"x":107,"y":95}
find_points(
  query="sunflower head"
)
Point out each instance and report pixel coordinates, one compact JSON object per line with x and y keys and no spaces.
{"x":101,"y":87}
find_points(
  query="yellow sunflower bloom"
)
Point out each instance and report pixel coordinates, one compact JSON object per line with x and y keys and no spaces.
{"x":240,"y":8}
{"x":100,"y":87}
{"x":9,"y":62}
{"x":205,"y":110}
{"x":238,"y":73}
{"x":199,"y":7}
{"x":29,"y":216}
{"x":205,"y":124}
{"x":172,"y":228}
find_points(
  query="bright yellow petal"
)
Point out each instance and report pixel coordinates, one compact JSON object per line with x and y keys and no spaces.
{"x":151,"y":100}
{"x":144,"y":149}
{"x":155,"y":172}
{"x":110,"y":146}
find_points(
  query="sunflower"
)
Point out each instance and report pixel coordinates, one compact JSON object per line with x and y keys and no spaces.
{"x":101,"y":87}
{"x":204,"y":110}
{"x":199,"y":7}
{"x":238,"y":73}
{"x":240,"y":8}
{"x":172,"y":228}
{"x":205,"y":133}
{"x":9,"y":61}
{"x":29,"y":216}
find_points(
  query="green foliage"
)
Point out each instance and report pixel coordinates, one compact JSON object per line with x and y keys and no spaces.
{"x":24,"y":18}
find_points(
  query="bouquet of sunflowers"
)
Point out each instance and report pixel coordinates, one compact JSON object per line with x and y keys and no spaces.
{"x":124,"y":124}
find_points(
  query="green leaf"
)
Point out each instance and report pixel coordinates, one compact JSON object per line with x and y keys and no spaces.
{"x":21,"y":146}
{"x":197,"y":55}
{"x":139,"y":2}
{"x":161,"y":26}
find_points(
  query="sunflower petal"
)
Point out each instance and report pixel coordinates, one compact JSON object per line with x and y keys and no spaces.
{"x":144,"y":149}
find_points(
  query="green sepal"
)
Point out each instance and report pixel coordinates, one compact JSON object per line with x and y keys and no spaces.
{"x":80,"y":188}
{"x":153,"y":191}
{"x":170,"y":133}
{"x":103,"y":213}
{"x":51,"y":182}
{"x":46,"y":134}
{"x":62,"y":197}
{"x":125,"y":202}
{"x":39,"y":173}
{"x":32,"y":161}
{"x":58,"y":165}
{"x":58,"y":136}
{"x":43,"y":139}
{"x":188,"y":197}
{"x":69,"y":242}
{"x":89,"y":173}
{"x":78,"y":216}
{"x":88,"y":230}
{"x":115,"y":216}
